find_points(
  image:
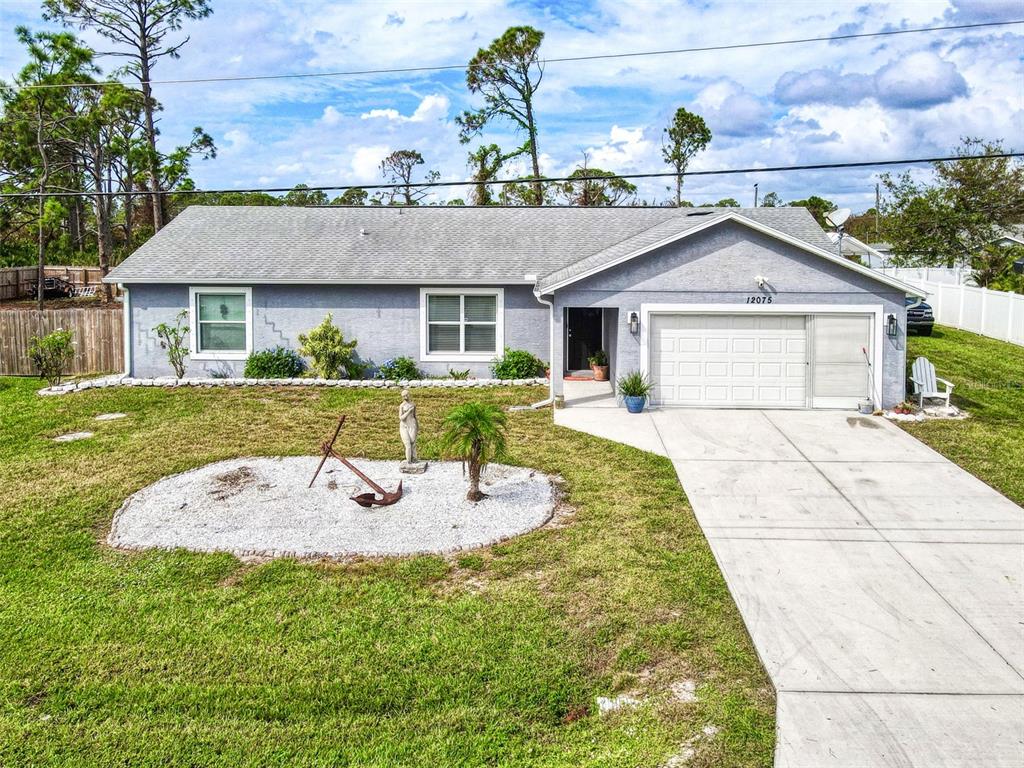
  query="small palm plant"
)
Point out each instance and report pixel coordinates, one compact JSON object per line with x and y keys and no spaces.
{"x":474,"y":433}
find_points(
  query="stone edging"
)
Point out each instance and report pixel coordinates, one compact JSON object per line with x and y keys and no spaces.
{"x":167,"y":381}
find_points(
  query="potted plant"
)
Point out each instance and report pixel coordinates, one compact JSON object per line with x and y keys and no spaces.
{"x":599,"y":365}
{"x":634,"y":388}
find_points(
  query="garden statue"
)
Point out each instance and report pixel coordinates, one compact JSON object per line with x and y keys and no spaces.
{"x":408,"y":428}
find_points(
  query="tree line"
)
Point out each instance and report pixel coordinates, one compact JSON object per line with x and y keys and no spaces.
{"x":76,"y":136}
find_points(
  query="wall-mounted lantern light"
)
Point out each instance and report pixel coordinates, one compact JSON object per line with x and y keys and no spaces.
{"x":634,"y":323}
{"x":892,"y":328}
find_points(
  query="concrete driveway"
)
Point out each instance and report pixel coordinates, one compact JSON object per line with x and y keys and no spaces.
{"x":883,"y":586}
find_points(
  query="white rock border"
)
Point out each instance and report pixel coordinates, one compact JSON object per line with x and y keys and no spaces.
{"x":171,"y":382}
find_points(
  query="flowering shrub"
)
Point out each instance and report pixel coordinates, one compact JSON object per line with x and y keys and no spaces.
{"x":398,"y":368}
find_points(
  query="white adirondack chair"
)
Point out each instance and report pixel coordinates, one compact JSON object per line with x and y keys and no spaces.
{"x":926,"y":383}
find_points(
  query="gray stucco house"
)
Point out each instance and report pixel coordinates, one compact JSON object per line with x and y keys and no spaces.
{"x":719,"y":307}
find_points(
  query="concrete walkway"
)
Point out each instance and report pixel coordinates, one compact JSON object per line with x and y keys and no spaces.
{"x":883,"y":586}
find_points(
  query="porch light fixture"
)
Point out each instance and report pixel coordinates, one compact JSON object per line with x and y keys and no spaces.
{"x":634,"y":323}
{"x":892,"y":328}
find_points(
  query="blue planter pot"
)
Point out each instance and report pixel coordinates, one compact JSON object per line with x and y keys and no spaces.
{"x":634,"y":403}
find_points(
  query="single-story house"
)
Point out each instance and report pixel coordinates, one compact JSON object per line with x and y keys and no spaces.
{"x":719,"y":307}
{"x":859,"y":250}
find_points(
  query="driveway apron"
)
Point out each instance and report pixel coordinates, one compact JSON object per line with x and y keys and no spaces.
{"x":883,"y":586}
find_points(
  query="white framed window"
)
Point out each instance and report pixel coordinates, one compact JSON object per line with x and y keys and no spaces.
{"x":461,"y":324}
{"x":220,"y":323}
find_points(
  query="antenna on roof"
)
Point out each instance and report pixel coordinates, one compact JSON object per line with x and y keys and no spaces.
{"x":837,"y":218}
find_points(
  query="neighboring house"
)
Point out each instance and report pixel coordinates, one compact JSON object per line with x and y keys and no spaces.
{"x":1013,"y":235}
{"x":856,"y":249}
{"x":719,"y":307}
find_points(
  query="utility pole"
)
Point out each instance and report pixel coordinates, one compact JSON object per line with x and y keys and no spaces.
{"x":878,"y":205}
{"x":755,"y":194}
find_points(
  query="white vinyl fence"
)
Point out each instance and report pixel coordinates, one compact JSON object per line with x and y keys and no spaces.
{"x":998,"y":314}
{"x":915,"y":275}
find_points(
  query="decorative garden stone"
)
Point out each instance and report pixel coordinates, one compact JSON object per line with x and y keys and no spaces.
{"x":409,"y":428}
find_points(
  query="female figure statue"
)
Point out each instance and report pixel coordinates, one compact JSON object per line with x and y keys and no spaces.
{"x":408,"y":428}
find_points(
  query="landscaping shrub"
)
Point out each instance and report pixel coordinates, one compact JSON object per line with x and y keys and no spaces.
{"x":398,"y":368}
{"x":459,"y":375}
{"x":517,"y":364}
{"x":51,"y":354}
{"x":331,"y":354}
{"x":172,"y":338}
{"x":276,"y":363}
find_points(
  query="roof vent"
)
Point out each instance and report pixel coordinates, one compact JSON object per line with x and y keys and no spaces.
{"x":362,"y":231}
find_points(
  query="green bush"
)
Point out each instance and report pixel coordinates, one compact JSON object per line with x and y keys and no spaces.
{"x":598,"y":358}
{"x":276,"y":363}
{"x":398,"y":368}
{"x":458,"y":374}
{"x":51,"y":354}
{"x":331,"y":354}
{"x":517,"y":364}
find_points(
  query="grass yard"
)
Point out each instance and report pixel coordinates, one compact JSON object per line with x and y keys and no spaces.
{"x":493,"y":657}
{"x":989,"y":379}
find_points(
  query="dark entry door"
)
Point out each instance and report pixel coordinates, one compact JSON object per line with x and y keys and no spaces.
{"x":583,"y":332}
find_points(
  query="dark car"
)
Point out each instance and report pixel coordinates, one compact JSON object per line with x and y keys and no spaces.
{"x":919,"y":317}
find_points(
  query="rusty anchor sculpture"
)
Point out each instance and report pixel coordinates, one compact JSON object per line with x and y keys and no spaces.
{"x":381,"y":499}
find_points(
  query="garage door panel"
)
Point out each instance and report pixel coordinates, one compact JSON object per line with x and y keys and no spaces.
{"x":839,"y":378}
{"x":746,"y":360}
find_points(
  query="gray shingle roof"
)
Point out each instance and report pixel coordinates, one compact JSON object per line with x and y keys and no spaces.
{"x":424,"y":244}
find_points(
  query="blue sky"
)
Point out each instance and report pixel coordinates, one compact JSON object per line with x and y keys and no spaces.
{"x":902,"y":96}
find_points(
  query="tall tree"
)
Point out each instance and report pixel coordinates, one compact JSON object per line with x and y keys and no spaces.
{"x":399,"y":168}
{"x":139,"y":29}
{"x":102,"y":115}
{"x":40,"y":116}
{"x":354,"y":196}
{"x":485,"y":163}
{"x":687,"y":135}
{"x":953,"y":218}
{"x":301,"y":195}
{"x":592,"y":187}
{"x":818,"y":206}
{"x":507,"y":74}
{"x":771,"y":200}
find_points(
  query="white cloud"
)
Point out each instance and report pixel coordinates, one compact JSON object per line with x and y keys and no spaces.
{"x":365,"y":162}
{"x":625,"y":149}
{"x":331,"y":116}
{"x":432,"y":107}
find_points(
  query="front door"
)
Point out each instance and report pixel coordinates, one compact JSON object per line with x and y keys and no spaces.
{"x":583,"y":336}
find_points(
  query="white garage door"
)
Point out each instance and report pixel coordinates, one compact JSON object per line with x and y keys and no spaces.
{"x":729,"y":360}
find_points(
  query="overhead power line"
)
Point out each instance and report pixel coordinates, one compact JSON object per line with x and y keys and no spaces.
{"x":553,"y":60}
{"x":528,"y":180}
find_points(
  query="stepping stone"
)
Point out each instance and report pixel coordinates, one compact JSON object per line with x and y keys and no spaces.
{"x":70,"y":437}
{"x":109,"y":416}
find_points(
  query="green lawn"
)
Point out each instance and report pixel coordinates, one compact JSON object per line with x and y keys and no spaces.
{"x":989,"y":379}
{"x":489,"y":658}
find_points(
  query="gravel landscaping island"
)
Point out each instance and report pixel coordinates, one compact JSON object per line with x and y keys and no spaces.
{"x":262,"y":507}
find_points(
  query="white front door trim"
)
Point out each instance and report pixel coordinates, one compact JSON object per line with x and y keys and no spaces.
{"x":875,"y":310}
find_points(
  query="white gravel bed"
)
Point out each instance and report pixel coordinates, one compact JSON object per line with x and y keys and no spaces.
{"x":261,"y":507}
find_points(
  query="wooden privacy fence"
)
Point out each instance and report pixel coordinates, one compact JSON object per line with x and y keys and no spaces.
{"x":16,"y":282}
{"x":99,"y":338}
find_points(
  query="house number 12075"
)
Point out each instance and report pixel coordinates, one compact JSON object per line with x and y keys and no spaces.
{"x":759,"y":299}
